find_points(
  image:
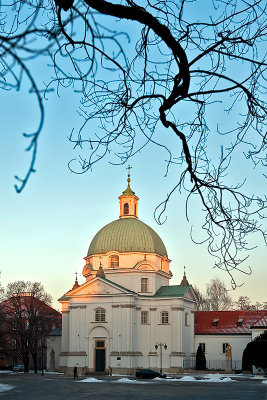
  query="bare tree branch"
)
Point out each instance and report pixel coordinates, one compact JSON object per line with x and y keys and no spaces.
{"x":172,"y":69}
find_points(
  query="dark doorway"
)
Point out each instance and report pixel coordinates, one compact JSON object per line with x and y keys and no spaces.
{"x":100,"y":355}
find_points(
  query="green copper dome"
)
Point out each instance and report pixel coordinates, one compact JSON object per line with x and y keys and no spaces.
{"x":127,"y":235}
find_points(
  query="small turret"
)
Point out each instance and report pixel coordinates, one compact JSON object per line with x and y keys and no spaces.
{"x":100,"y":273}
{"x":76,"y":284}
{"x":184,"y":281}
{"x":128,"y":201}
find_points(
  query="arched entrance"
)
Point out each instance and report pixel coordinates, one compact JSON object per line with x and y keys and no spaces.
{"x":99,"y":349}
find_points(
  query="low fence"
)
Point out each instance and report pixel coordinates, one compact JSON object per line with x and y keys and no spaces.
{"x":212,"y":365}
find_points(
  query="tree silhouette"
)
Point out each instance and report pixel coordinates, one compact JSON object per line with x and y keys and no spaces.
{"x":171,"y":70}
{"x":27,"y":318}
{"x":256,"y":353}
{"x":215,"y":298}
{"x":200,"y":359}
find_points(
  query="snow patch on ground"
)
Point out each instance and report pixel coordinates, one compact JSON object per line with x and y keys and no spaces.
{"x":265,"y":382}
{"x":5,"y":372}
{"x":187,"y":379}
{"x":213,"y":378}
{"x":4,"y":388}
{"x":90,"y":380}
{"x":216,"y":379}
{"x":257,"y":377}
{"x":173,"y":379}
{"x":126,"y":380}
{"x":207,"y":378}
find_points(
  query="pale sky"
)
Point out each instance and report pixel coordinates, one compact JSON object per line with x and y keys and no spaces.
{"x":46,"y":230}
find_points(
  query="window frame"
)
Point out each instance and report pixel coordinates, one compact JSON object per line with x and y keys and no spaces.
{"x":100,"y":315}
{"x":144,"y":317}
{"x":203,"y":346}
{"x":144,"y":285}
{"x":126,"y":209}
{"x":100,"y":344}
{"x":164,"y":318}
{"x":224,"y":347}
{"x":215,"y":322}
{"x":114,"y":261}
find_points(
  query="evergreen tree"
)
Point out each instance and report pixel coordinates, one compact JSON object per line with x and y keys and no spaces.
{"x":256,"y":353}
{"x":200,"y":359}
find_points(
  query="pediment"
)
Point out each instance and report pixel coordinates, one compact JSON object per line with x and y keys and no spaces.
{"x":145,"y":266}
{"x":98,"y":286}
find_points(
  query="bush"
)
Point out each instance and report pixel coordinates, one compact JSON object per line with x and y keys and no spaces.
{"x":256,"y":353}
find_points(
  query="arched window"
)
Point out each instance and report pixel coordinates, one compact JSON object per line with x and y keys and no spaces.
{"x":164,"y":317}
{"x":186,"y":319}
{"x":135,"y":210}
{"x":100,"y":315}
{"x":126,"y":209}
{"x":114,"y":261}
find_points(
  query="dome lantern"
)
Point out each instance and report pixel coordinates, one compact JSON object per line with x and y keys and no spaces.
{"x":128,"y":201}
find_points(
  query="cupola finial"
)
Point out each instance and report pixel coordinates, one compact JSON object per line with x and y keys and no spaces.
{"x":184,"y":281}
{"x":129,"y":174}
{"x":128,"y":191}
{"x":76,"y":284}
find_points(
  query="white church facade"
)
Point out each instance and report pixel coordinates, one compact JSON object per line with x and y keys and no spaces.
{"x":126,"y":307}
{"x":126,"y":315}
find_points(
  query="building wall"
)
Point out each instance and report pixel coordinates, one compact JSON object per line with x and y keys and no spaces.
{"x":129,"y":260}
{"x":53,"y":343}
{"x":132,"y":280}
{"x":215,"y":357}
{"x":129,"y":344}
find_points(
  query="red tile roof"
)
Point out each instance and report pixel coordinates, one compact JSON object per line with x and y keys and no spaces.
{"x":229,"y":322}
{"x":260,"y":323}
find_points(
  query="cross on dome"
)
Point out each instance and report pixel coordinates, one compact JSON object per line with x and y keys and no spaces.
{"x":129,"y":171}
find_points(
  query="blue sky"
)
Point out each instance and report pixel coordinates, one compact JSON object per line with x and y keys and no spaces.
{"x":46,"y":230}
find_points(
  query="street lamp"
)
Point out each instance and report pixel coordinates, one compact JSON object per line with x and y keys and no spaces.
{"x":160,"y":345}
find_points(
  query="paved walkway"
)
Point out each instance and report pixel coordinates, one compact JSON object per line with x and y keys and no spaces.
{"x":59,"y":387}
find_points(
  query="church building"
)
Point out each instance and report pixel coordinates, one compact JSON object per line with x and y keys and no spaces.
{"x":126,"y":315}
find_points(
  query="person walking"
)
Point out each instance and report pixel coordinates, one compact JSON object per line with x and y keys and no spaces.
{"x":75,"y":372}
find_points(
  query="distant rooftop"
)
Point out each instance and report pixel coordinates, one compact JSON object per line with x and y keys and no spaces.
{"x":56,"y":332}
{"x":229,"y":322}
